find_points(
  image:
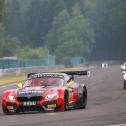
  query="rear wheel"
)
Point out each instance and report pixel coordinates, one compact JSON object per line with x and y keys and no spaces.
{"x":84,"y":98}
{"x":65,"y":101}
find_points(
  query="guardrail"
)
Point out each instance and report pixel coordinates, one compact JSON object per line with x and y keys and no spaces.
{"x":25,"y":70}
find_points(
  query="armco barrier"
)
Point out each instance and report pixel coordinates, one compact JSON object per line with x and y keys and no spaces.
{"x":10,"y":71}
{"x":17,"y":71}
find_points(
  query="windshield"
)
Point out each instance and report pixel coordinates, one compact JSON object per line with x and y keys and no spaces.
{"x":44,"y":82}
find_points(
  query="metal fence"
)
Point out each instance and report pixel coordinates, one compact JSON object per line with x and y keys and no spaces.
{"x":49,"y":61}
{"x":15,"y":63}
{"x":77,"y":61}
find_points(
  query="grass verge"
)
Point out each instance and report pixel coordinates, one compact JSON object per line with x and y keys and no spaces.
{"x":12,"y":79}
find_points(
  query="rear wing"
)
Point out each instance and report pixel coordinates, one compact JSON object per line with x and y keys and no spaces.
{"x":28,"y":75}
{"x":72,"y":73}
{"x":76,"y":72}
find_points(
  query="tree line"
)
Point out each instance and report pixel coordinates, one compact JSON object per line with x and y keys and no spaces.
{"x":94,"y":29}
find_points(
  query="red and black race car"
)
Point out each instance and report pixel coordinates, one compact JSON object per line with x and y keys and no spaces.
{"x":46,"y":91}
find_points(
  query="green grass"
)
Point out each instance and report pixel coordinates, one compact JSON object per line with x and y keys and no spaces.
{"x":12,"y":79}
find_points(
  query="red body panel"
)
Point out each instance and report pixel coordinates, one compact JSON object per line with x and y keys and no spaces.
{"x":73,"y":96}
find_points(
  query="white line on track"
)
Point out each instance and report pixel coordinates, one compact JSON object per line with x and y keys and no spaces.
{"x":7,"y":86}
{"x":117,"y":125}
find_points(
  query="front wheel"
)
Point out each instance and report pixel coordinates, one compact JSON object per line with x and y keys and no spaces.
{"x":5,"y":111}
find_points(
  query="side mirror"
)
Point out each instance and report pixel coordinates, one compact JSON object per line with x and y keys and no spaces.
{"x":70,"y":83}
{"x":20,"y":85}
{"x":70,"y":79}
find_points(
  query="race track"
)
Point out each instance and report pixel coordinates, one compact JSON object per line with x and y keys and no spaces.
{"x":106,"y":104}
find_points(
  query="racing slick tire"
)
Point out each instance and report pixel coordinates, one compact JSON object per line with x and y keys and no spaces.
{"x":124,"y":84}
{"x":5,"y":111}
{"x":65,"y":102}
{"x":84,"y":98}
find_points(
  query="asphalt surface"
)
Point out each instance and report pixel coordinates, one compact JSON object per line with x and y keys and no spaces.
{"x":106,"y":104}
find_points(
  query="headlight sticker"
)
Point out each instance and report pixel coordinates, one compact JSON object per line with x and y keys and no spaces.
{"x":11,"y":98}
{"x":51,"y":96}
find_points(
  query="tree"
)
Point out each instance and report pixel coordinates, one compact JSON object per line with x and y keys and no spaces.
{"x":39,"y":19}
{"x":53,"y":35}
{"x":71,"y":35}
{"x":32,"y":53}
{"x":13,"y":22}
{"x":108,"y":20}
{"x":70,"y":3}
{"x":1,"y":9}
{"x":8,"y":45}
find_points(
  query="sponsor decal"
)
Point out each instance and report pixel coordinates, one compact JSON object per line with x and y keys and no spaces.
{"x":70,"y":93}
{"x":47,"y":75}
{"x":30,"y":92}
{"x":52,"y":106}
{"x":10,"y":107}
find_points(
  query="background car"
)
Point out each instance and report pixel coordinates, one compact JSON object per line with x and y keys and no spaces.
{"x":123,"y":70}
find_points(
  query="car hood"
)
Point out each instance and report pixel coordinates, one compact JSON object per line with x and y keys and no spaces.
{"x":34,"y":91}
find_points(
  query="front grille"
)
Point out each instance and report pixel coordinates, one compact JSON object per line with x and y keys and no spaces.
{"x":30,"y":108}
{"x":32,"y":98}
{"x":11,"y":104}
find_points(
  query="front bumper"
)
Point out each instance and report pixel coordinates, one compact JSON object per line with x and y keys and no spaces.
{"x":40,"y":106}
{"x":50,"y":105}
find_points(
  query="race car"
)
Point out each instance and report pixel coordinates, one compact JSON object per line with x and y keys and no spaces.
{"x":123,"y":66}
{"x":124,"y":79}
{"x":123,"y":70}
{"x":46,"y":92}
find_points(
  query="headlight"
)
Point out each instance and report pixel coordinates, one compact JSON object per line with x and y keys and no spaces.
{"x":50,"y":96}
{"x":11,"y":98}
